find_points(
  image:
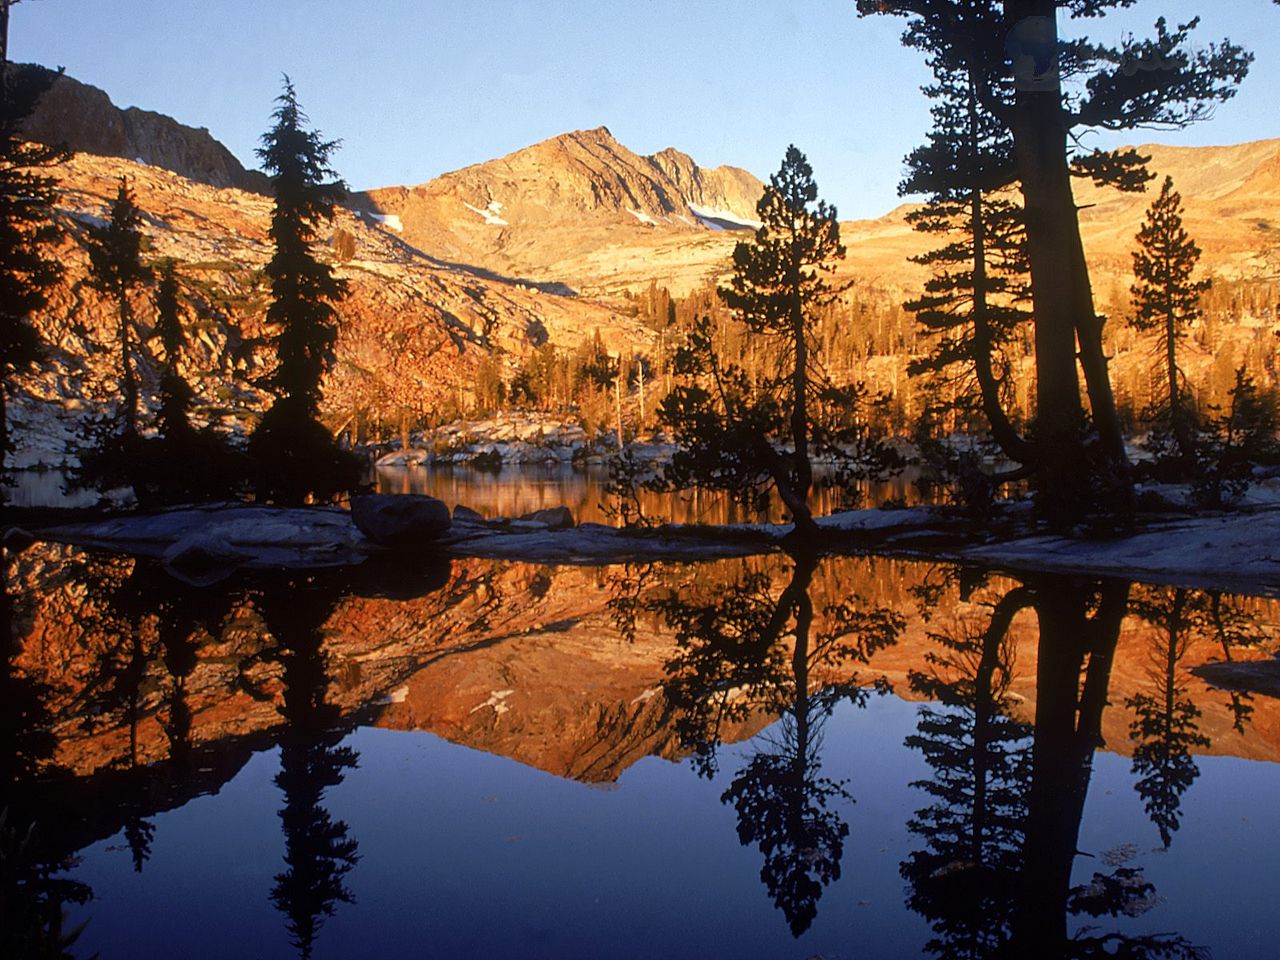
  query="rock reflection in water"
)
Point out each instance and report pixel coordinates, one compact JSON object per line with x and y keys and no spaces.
{"x":127,"y":694}
{"x":516,"y":490}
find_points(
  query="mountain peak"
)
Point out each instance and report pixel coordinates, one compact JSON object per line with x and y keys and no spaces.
{"x":568,"y":194}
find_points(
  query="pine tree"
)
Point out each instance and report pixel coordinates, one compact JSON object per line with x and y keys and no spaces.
{"x":295,"y":453}
{"x":116,"y":270}
{"x":27,"y":198}
{"x":1107,"y":87}
{"x":735,"y":428}
{"x":974,"y":303}
{"x":1166,"y":298}
{"x":176,"y":394}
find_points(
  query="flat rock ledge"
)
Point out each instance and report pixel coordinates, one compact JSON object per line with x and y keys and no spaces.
{"x":204,"y":542}
{"x":1237,"y":551}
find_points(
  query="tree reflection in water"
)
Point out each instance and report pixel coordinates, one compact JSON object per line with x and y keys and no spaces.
{"x":319,"y":853}
{"x":741,"y":652}
{"x":1165,"y":727}
{"x":34,"y":889}
{"x":966,"y":880}
{"x":994,"y":878}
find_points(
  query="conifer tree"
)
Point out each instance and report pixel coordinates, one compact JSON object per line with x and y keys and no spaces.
{"x":296,"y":454}
{"x":1012,"y":52}
{"x":27,"y":197}
{"x":974,"y":303}
{"x":1165,"y":297}
{"x":741,"y":433}
{"x":117,"y":270}
{"x":176,"y":394}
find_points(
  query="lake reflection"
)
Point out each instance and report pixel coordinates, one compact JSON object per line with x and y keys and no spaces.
{"x":516,"y":490}
{"x":773,"y":757}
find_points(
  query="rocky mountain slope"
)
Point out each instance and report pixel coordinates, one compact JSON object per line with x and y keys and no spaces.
{"x":583,"y":210}
{"x":84,"y":119}
{"x":535,"y":212}
{"x":536,"y":247}
{"x":414,"y":329}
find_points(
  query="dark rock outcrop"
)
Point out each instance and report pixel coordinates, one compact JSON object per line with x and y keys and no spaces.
{"x":400,"y":520}
{"x":555,"y":518}
{"x":83,"y":118}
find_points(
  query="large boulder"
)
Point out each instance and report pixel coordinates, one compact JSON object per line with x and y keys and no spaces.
{"x":400,"y":520}
{"x":555,"y":518}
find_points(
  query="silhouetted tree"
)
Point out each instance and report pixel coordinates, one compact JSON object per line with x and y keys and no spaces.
{"x":965,"y":882}
{"x":1152,"y":82}
{"x":974,"y":304}
{"x":1166,"y":299}
{"x":1237,"y":439}
{"x":182,"y":463}
{"x":1002,"y":835}
{"x":295,"y":453}
{"x":1165,"y":727}
{"x":27,"y":198}
{"x":733,"y":661}
{"x":742,"y":436}
{"x":33,"y":886}
{"x":318,"y":851}
{"x":176,"y":395}
{"x":116,"y":270}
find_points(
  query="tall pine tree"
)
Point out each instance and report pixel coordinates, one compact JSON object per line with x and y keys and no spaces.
{"x":116,"y":270}
{"x":1166,"y":299}
{"x":743,"y":433}
{"x":1012,"y":50}
{"x":295,"y":453}
{"x":975,"y":302}
{"x":176,"y":394}
{"x":27,"y":196}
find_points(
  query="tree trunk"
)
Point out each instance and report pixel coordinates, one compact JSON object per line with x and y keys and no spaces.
{"x":1068,"y":728}
{"x":129,"y":382}
{"x":1011,"y":443}
{"x":4,"y":30}
{"x":800,"y":388}
{"x":1181,"y":428}
{"x":1063,"y":299}
{"x":4,"y":448}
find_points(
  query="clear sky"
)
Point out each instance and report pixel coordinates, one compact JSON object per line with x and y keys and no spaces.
{"x":415,"y":88}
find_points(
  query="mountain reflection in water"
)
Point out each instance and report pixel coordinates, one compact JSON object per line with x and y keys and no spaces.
{"x":141,"y":714}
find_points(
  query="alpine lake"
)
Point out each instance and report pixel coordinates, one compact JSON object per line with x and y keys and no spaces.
{"x":767,"y":757}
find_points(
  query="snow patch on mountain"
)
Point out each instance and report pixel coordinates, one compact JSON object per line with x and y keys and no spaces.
{"x":722,"y":219}
{"x":490,"y":213}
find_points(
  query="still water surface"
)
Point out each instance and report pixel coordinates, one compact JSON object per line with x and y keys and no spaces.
{"x":517,"y":490}
{"x":754,"y":758}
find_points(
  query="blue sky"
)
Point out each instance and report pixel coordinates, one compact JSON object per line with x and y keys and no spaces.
{"x":418,"y":87}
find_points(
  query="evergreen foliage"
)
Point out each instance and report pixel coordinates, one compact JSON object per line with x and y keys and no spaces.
{"x":973,"y":308}
{"x":1236,"y":440}
{"x":116,"y":270}
{"x":27,"y":198}
{"x":1166,"y":299}
{"x":742,"y":433}
{"x":181,"y":463}
{"x":176,"y":395}
{"x":1157,"y":81}
{"x":294,"y":453}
